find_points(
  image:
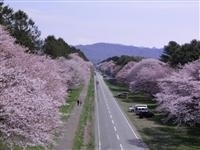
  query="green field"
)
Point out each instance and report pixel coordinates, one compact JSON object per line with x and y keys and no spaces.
{"x":156,"y":134}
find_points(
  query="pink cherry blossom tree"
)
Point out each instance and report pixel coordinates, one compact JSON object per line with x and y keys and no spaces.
{"x":109,"y":67}
{"x":32,"y":88}
{"x":123,"y":73}
{"x":143,"y":75}
{"x":180,"y":95}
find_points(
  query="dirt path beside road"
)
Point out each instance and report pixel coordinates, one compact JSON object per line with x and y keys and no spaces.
{"x":65,"y":142}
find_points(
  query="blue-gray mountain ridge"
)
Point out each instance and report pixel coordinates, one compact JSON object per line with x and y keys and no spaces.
{"x":101,"y":51}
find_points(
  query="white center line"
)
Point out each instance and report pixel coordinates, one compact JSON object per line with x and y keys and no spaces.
{"x":98,"y":128}
{"x":111,"y":116}
{"x":115,"y":101}
{"x":115,"y":128}
{"x":113,"y":122}
{"x":121,"y":147}
{"x":108,"y":108}
{"x":109,"y":112}
{"x":117,"y":136}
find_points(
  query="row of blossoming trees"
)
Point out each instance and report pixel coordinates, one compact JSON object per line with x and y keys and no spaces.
{"x":176,"y":90}
{"x":32,"y":88}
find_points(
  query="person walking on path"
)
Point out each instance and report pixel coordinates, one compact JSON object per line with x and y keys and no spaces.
{"x":78,"y":102}
{"x":65,"y":141}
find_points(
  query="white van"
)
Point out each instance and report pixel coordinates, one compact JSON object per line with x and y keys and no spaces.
{"x":140,"y":108}
{"x":133,"y":108}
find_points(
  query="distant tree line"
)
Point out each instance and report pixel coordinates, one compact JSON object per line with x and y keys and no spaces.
{"x":26,"y":33}
{"x":123,"y":60}
{"x":58,"y":47}
{"x":178,"y":55}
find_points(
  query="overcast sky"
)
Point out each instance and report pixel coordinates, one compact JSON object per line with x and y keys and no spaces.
{"x":140,"y":23}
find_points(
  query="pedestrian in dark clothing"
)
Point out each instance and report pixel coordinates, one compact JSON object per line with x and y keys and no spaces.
{"x":78,"y":102}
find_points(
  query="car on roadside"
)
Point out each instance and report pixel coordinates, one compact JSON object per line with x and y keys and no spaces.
{"x":122,"y":95}
{"x":136,"y":108}
{"x":131,"y":109}
{"x":142,"y":111}
{"x":145,"y":114}
{"x":140,"y":108}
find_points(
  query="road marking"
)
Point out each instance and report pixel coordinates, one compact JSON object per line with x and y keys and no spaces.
{"x":121,"y":111}
{"x":121,"y":147}
{"x":98,"y":128}
{"x":104,"y":97}
{"x":115,"y":128}
{"x":117,"y":136}
{"x":109,"y":112}
{"x":103,"y":94}
{"x":107,"y":108}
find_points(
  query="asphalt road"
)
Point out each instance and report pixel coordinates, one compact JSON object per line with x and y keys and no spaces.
{"x":113,"y":130}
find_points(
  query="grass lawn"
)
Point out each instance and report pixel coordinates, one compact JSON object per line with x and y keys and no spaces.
{"x":155,"y":134}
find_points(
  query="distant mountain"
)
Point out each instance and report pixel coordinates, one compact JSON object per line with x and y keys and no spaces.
{"x":101,"y":51}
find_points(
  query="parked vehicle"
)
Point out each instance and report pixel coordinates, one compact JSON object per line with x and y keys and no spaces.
{"x":122,"y":95}
{"x":140,"y":108}
{"x":131,"y":109}
{"x":136,"y":108}
{"x":146,"y":114}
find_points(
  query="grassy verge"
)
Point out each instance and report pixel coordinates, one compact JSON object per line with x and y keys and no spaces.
{"x":65,"y":110}
{"x":155,"y":134}
{"x":84,"y":138}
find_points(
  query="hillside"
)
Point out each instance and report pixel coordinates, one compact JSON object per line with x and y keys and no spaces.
{"x":101,"y":51}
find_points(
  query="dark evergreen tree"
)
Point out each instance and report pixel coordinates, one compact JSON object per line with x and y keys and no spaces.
{"x":21,"y":27}
{"x":124,"y":59}
{"x":176,"y":54}
{"x":58,"y":47}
